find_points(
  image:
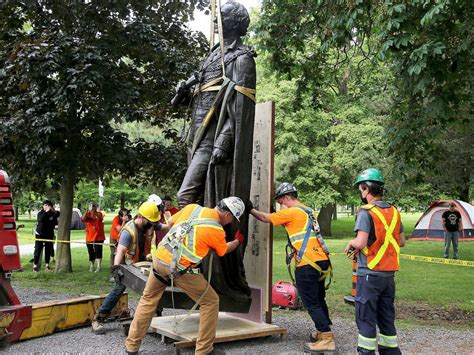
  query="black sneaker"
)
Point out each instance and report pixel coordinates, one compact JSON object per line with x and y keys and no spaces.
{"x":35,"y":268}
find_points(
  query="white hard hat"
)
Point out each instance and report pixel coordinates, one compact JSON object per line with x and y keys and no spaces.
{"x":155,"y":199}
{"x":235,"y":205}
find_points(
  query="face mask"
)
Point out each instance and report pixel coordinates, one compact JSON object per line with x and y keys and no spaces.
{"x":148,"y":225}
{"x":364,"y":199}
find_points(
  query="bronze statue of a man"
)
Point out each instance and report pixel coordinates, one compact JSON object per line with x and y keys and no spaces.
{"x":221,"y":133}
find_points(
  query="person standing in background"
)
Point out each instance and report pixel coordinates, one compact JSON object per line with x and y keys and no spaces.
{"x":47,"y":219}
{"x":170,"y":210}
{"x":117,"y":223}
{"x":451,"y":224}
{"x":94,"y":221}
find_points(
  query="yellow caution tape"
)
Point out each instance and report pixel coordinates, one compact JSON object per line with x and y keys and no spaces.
{"x":426,"y":259}
{"x":430,"y":259}
{"x":63,"y":241}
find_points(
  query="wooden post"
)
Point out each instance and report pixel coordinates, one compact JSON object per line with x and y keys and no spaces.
{"x":258,"y":255}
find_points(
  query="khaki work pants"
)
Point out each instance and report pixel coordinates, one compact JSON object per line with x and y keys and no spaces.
{"x":194,"y":286}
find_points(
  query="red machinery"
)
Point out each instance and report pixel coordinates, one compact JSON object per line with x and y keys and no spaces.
{"x":14,"y":316}
{"x":285,"y":294}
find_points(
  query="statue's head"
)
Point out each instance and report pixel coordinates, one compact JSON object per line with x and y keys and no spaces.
{"x":235,"y":19}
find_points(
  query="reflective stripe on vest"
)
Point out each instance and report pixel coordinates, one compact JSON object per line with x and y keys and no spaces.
{"x":366,"y":343}
{"x":187,"y":246}
{"x":308,"y":234}
{"x":389,"y":341}
{"x":389,"y":239}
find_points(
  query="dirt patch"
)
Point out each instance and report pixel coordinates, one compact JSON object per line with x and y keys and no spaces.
{"x":434,"y":313}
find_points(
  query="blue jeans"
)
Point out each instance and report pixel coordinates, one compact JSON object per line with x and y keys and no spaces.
{"x":112,"y":298}
{"x":454,"y":237}
{"x":313,"y":293}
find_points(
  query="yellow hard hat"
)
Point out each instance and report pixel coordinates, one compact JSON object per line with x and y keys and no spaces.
{"x":150,"y":211}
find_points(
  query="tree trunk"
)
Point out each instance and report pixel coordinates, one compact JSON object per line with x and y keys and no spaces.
{"x":122,"y":200}
{"x":464,"y":191}
{"x":352,"y":210}
{"x":334,"y":214}
{"x":63,"y":259}
{"x":325,"y":218}
{"x":16,"y":213}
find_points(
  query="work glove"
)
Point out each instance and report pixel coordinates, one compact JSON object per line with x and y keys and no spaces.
{"x":248,"y":207}
{"x":116,"y":273}
{"x":240,"y":237}
{"x":352,"y":253}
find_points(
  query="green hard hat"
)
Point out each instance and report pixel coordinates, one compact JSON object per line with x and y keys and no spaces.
{"x":370,"y":174}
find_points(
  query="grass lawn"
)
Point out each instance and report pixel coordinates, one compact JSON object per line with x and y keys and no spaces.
{"x":424,"y":290}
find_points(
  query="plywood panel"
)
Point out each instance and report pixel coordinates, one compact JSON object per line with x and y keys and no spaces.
{"x":258,"y":254}
{"x":228,"y":328}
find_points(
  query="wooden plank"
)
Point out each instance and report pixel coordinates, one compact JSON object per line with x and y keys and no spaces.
{"x":258,"y":255}
{"x":260,"y":334}
{"x":229,"y":328}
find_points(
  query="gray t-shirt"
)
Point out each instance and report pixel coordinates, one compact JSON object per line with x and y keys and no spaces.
{"x":125,"y":239}
{"x":364,"y":223}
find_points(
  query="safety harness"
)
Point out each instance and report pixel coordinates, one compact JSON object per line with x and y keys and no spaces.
{"x":180,"y":242}
{"x":312,"y":231}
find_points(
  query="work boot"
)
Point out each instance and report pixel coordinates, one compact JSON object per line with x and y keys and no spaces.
{"x":325,"y":343}
{"x":314,"y":336}
{"x":98,"y":324}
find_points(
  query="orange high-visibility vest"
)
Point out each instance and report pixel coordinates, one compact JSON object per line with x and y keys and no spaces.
{"x":132,"y":254}
{"x":384,"y":253}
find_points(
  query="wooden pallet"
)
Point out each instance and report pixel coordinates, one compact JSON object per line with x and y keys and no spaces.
{"x":229,"y":328}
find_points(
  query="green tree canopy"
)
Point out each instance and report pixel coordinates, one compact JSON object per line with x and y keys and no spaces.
{"x":427,"y":44}
{"x":68,"y":70}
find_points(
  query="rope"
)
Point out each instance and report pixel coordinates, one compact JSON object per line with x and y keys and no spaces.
{"x":221,"y":36}
{"x":213,"y":14}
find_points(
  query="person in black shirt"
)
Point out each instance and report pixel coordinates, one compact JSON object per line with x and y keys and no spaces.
{"x":47,"y":219}
{"x":451,"y":224}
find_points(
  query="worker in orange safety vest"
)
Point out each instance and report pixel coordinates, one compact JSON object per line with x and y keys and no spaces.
{"x":379,"y":236}
{"x":311,"y":255}
{"x":194,"y":231}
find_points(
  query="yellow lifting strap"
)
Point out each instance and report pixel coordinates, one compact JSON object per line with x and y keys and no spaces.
{"x":324,"y":273}
{"x":211,"y":86}
{"x":389,"y":239}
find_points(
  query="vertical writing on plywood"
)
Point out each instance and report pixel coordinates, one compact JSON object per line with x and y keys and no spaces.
{"x":258,"y":255}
